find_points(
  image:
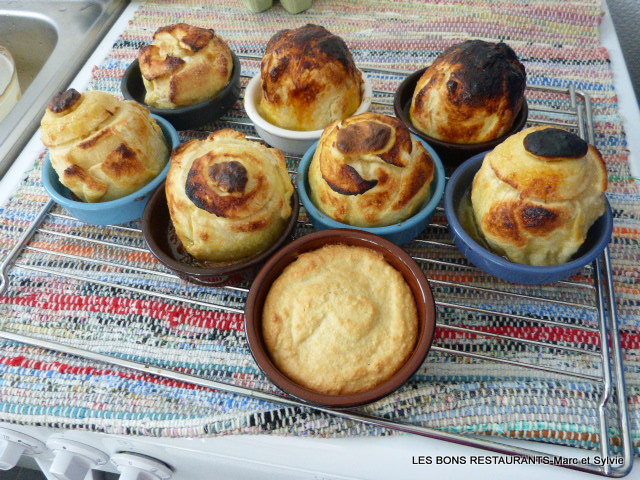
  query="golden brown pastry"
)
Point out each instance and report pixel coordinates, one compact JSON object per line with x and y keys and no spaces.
{"x":472,"y":93}
{"x":340,"y":320}
{"x":102,"y":148}
{"x":368,"y":171}
{"x":309,"y":79}
{"x":184,"y":65}
{"x":537,"y":194}
{"x":229,"y":198}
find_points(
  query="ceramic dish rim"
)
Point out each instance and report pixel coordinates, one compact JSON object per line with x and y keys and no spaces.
{"x":47,"y":168}
{"x":424,"y":338}
{"x":452,"y":219}
{"x":253,"y":114}
{"x":425,"y":210}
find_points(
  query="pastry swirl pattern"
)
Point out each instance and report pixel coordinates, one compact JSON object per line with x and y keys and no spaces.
{"x":368,"y":171}
{"x":228,"y":197}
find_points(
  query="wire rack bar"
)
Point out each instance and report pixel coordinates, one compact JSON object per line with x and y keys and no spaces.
{"x":352,"y":415}
{"x":575,"y":111}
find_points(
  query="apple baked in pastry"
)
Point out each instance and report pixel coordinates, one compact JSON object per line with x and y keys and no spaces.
{"x":368,"y":171}
{"x":537,"y":194}
{"x":184,"y":65}
{"x":471,"y":93}
{"x":102,"y":148}
{"x":229,"y":198}
{"x":309,"y":79}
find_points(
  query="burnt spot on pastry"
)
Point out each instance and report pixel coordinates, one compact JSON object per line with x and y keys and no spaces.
{"x":482,"y":70}
{"x":538,"y":219}
{"x":306,"y":92}
{"x":195,"y":38}
{"x":312,"y":41}
{"x":229,"y":176}
{"x":312,"y":46}
{"x":401,"y":146}
{"x":123,"y":163}
{"x":64,"y":100}
{"x":74,"y":175}
{"x":153,"y":65}
{"x":210,"y":197}
{"x":278,"y":70}
{"x":363,"y":137}
{"x":255,"y":226}
{"x":501,"y":222}
{"x":555,"y":143}
{"x":92,"y":141}
{"x":75,"y":171}
{"x":349,"y":182}
{"x":275,"y":38}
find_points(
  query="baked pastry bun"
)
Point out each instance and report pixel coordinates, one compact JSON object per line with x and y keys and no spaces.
{"x":537,"y":194}
{"x":184,"y":65}
{"x":368,"y":171}
{"x":229,"y":198}
{"x":102,"y":148}
{"x":309,"y":79}
{"x":472,"y":93}
{"x":340,"y":320}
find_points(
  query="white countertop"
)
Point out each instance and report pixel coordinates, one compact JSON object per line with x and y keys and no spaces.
{"x":383,"y":458}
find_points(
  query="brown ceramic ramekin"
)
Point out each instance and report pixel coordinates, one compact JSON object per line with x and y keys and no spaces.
{"x":396,"y":257}
{"x":159,"y":233}
{"x":451,"y":154}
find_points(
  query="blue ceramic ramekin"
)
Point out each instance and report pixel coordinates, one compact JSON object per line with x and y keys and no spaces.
{"x":598,"y":237}
{"x":114,"y":212}
{"x":398,"y":233}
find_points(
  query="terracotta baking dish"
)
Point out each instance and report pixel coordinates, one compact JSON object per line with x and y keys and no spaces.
{"x":397,"y":257}
{"x":451,"y":154}
{"x":160,"y":236}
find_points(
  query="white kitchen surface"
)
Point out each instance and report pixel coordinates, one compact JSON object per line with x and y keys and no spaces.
{"x":319,"y":459}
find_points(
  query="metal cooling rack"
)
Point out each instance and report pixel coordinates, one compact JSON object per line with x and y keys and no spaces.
{"x":569,"y":108}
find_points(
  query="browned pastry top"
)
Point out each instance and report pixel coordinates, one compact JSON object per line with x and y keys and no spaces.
{"x":102,"y":148}
{"x":64,"y":100}
{"x":369,"y":171}
{"x":184,"y":65}
{"x":537,"y":194}
{"x":309,"y":79}
{"x":228,"y":197}
{"x":470,"y":94}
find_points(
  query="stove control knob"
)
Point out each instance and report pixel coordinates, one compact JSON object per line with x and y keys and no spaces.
{"x":73,"y":460}
{"x":133,"y":466}
{"x":14,"y":444}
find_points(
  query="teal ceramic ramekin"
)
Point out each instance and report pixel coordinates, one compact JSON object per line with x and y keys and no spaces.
{"x":398,"y":233}
{"x":114,"y":212}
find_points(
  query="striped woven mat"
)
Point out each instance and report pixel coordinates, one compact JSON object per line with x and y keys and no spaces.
{"x":558,"y":43}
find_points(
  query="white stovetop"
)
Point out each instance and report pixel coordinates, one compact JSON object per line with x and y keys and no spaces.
{"x":376,"y":458}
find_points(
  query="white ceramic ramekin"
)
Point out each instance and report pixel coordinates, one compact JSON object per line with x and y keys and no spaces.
{"x":295,"y":142}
